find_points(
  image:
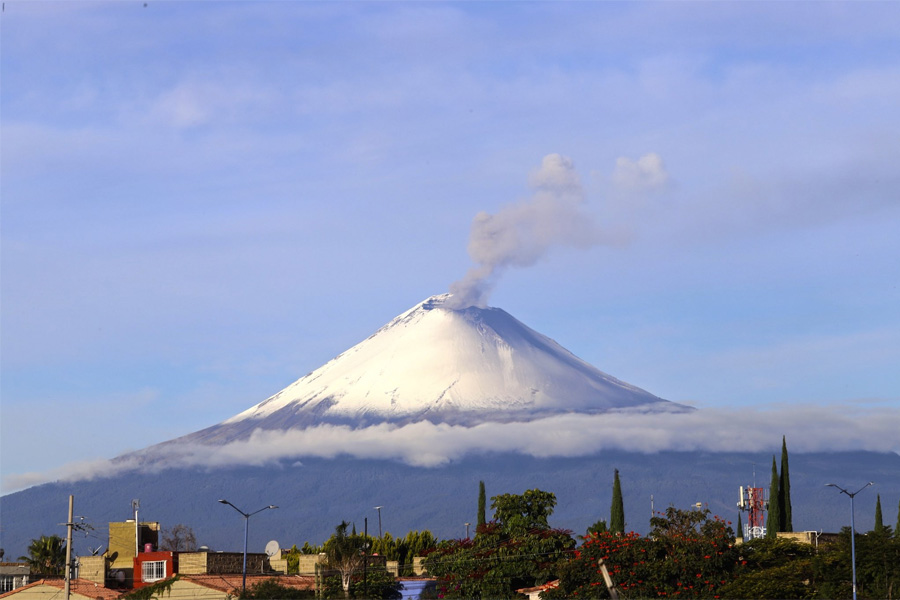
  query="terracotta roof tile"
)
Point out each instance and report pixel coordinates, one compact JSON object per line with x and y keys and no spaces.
{"x":82,"y":587}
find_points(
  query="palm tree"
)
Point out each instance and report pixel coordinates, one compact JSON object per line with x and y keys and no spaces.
{"x":46,"y":556}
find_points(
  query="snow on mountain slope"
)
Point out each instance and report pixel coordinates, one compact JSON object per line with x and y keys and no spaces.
{"x":446,"y":366}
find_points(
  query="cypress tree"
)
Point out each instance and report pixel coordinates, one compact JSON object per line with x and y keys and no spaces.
{"x":879,"y":523}
{"x":784,"y":491}
{"x":897,"y":528}
{"x":773,"y":519}
{"x":617,"y":508}
{"x":482,"y":500}
{"x":740,"y":527}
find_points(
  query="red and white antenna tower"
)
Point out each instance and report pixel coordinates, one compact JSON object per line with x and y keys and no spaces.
{"x":754,"y":502}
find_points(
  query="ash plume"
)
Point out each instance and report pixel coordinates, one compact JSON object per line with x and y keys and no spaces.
{"x":520,"y":234}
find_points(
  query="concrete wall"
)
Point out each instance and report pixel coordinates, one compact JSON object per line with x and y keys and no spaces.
{"x":308,"y":563}
{"x":419,"y":566}
{"x":218,"y":563}
{"x":93,"y":568}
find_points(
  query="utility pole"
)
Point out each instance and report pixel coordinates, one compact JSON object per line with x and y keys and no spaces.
{"x":69,"y":525}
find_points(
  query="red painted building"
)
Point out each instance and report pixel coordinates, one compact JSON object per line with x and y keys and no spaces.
{"x":150,"y":567}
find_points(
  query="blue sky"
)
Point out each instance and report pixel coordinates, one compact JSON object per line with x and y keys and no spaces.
{"x":202,"y":202}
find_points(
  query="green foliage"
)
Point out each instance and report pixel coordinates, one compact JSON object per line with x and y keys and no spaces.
{"x":739,"y":530}
{"x":784,"y":491}
{"x":309,"y":549}
{"x":773,"y":518}
{"x":773,"y":568}
{"x":270,"y":589}
{"x":376,"y":583}
{"x":617,"y":507}
{"x":345,"y":554}
{"x":517,"y":549}
{"x":404,"y":549}
{"x":897,"y":527}
{"x":481,"y":506}
{"x":598,"y":527}
{"x":879,"y":521}
{"x":46,"y":556}
{"x":688,"y":554}
{"x":517,"y":513}
{"x":152,"y":591}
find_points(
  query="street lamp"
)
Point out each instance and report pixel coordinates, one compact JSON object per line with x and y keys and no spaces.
{"x":852,"y":528}
{"x":378,"y":508}
{"x":246,"y":531}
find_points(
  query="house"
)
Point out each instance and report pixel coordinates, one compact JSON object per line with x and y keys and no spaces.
{"x":13,"y":575}
{"x":228,"y":586}
{"x":47,"y":589}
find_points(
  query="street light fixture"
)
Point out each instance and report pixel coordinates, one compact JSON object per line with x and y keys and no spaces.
{"x":246,"y":531}
{"x":852,"y":527}
{"x":378,"y":508}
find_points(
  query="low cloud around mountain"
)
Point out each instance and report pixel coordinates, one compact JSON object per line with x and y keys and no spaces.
{"x":864,"y":426}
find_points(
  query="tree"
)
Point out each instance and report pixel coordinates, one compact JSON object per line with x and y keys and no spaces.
{"x":784,"y":491}
{"x":740,"y":527}
{"x":270,"y":589}
{"x":897,"y":528}
{"x":46,"y":556}
{"x":595,"y":529}
{"x":179,"y":538}
{"x":518,"y":513}
{"x":879,"y":522}
{"x":481,"y":506}
{"x":515,"y":550}
{"x":345,"y":554}
{"x":687,"y":554}
{"x":617,"y":507}
{"x":773,"y":518}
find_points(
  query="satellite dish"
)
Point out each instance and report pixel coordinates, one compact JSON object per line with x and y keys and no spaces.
{"x":273,"y":548}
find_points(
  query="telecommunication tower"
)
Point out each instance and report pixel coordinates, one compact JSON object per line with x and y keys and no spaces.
{"x":754,"y":502}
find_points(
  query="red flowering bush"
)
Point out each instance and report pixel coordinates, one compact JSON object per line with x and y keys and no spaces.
{"x":688,"y":554}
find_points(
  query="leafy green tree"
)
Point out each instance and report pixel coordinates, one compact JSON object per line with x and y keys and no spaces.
{"x":481,"y":506}
{"x":784,"y":491}
{"x":773,"y":568}
{"x":739,"y":532}
{"x":773,"y":518}
{"x":596,"y":528}
{"x":377,"y":583}
{"x":46,"y":556}
{"x":517,"y":549}
{"x":270,"y":589}
{"x":877,"y":566}
{"x":617,"y":507}
{"x":879,"y":522}
{"x":345,"y":554}
{"x":518,"y":513}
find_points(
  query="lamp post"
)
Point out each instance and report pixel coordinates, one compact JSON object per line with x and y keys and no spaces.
{"x":378,"y":508}
{"x":246,"y":531}
{"x":852,"y":528}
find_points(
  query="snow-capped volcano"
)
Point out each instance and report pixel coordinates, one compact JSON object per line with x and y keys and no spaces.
{"x":442,"y":365}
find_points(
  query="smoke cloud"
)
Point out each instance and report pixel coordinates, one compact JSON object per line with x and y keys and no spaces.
{"x":646,"y":174}
{"x":521,"y":233}
{"x":809,"y":428}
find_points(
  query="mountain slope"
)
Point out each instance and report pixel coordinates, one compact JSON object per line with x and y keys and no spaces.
{"x":433,"y":363}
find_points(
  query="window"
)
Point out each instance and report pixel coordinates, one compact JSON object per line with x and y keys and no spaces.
{"x":153,"y":570}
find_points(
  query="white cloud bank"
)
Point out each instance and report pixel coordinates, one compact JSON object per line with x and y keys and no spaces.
{"x":809,"y":428}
